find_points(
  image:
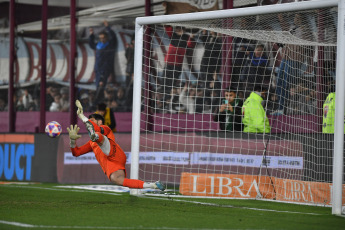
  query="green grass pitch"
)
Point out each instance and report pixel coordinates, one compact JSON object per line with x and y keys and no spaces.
{"x":46,"y":206}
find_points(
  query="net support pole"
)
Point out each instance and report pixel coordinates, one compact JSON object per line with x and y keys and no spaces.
{"x":72,"y":59}
{"x":43,"y":87}
{"x":12,"y":57}
{"x":138,"y":54}
{"x":339,"y":114}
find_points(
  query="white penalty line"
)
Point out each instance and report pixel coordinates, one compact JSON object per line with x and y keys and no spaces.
{"x":23,"y":225}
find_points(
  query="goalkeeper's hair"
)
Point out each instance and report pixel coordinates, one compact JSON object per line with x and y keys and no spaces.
{"x":97,"y":117}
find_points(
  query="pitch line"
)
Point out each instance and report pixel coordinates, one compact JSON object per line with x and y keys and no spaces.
{"x":61,"y":189}
{"x":23,"y":225}
{"x":231,"y":206}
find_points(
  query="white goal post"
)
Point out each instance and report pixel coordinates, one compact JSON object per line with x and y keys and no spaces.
{"x":184,"y":149}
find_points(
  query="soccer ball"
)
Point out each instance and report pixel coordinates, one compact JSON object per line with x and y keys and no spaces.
{"x":53,"y":129}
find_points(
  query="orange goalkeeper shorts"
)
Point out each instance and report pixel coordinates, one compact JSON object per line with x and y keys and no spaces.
{"x":114,"y":162}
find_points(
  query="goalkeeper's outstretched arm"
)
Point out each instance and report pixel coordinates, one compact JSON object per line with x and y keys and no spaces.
{"x":73,"y":135}
{"x":80,"y":112}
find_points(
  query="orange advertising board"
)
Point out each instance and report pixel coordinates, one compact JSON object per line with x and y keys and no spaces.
{"x":222,"y":185}
{"x":304,"y":191}
{"x":249,"y":186}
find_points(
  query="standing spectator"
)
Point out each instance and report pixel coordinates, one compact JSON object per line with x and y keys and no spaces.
{"x":254,"y":116}
{"x":240,"y":47}
{"x":229,"y":114}
{"x":256,"y":70}
{"x":64,"y":101}
{"x":291,"y":66}
{"x":105,"y":53}
{"x":187,"y":98}
{"x":212,"y":58}
{"x":129,"y":54}
{"x":173,"y":102}
{"x":108,"y":115}
{"x":179,"y":42}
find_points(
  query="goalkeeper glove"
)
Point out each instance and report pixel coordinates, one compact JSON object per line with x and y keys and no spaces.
{"x":73,"y":135}
{"x":80,"y":111}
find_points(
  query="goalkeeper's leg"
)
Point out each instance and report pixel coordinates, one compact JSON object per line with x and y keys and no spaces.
{"x":118,"y":178}
{"x":114,"y":165}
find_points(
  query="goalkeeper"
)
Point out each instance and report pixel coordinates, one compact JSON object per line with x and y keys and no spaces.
{"x":108,"y":153}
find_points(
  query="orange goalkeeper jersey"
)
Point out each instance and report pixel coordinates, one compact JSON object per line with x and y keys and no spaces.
{"x":116,"y":159}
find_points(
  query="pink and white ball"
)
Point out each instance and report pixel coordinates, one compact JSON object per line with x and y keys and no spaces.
{"x":53,"y":129}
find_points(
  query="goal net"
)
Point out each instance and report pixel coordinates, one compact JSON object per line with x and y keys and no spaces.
{"x":237,"y":103}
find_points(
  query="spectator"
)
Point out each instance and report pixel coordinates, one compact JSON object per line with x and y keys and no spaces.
{"x":173,"y":101}
{"x":109,"y":96}
{"x":311,"y":102}
{"x":50,"y":94}
{"x":214,"y":101}
{"x":25,"y":100}
{"x":85,"y":102}
{"x":254,"y":116}
{"x":298,"y":100}
{"x":129,"y":54}
{"x":56,"y":106}
{"x":256,"y":69}
{"x":120,"y":102}
{"x":212,"y":58}
{"x":229,"y":114}
{"x":105,"y":53}
{"x":108,"y":115}
{"x":179,"y":42}
{"x":240,"y":47}
{"x":64,"y":101}
{"x":156,"y":103}
{"x":272,"y":102}
{"x":187,"y":98}
{"x":214,"y":85}
{"x":292,"y":64}
{"x":202,"y":103}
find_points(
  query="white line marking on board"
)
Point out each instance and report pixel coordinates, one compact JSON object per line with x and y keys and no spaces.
{"x":18,"y":224}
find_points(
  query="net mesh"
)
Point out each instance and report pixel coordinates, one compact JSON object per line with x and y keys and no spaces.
{"x":236,"y":107}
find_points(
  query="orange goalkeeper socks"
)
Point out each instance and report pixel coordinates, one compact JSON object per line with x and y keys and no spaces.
{"x":132,"y":183}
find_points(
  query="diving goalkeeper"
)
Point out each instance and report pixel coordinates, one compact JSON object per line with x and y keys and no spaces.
{"x":108,"y":153}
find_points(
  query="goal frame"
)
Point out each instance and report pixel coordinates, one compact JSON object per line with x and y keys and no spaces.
{"x":250,"y":11}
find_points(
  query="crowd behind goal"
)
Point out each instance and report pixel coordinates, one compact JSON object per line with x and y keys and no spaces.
{"x":201,"y":90}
